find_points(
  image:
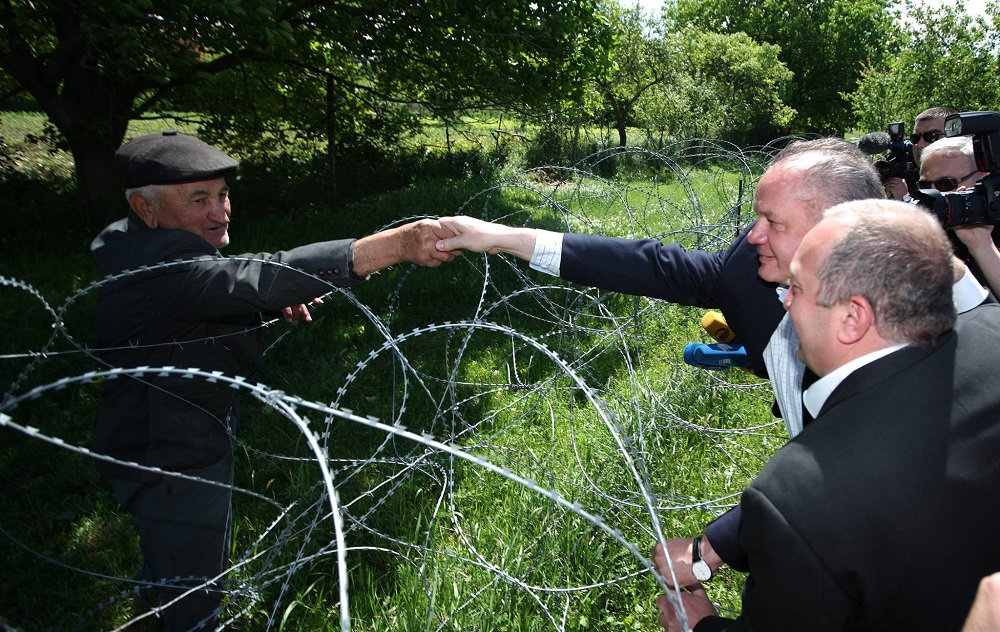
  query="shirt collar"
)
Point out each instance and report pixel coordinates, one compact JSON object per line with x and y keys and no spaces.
{"x":816,"y":395}
{"x":967,"y":292}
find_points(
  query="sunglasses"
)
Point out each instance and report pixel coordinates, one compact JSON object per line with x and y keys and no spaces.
{"x":945,"y":184}
{"x":929,"y":137}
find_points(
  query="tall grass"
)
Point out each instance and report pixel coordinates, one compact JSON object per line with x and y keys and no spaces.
{"x":578,"y":390}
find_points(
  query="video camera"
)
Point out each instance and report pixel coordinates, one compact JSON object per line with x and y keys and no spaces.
{"x":900,"y":162}
{"x":981,"y":204}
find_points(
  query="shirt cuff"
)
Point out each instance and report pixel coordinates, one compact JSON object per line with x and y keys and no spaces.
{"x":967,"y":292}
{"x":547,"y":256}
{"x":350,"y":264}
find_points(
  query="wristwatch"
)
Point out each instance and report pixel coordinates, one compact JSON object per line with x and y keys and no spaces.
{"x":699,"y":567}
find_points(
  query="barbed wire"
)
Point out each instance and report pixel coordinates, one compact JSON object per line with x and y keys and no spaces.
{"x":585,"y":373}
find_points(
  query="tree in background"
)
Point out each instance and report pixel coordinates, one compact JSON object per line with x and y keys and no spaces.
{"x":363,"y":96}
{"x":726,"y":86}
{"x":825,"y":43}
{"x":941,"y":56}
{"x":313,"y":98}
{"x":640,"y":61}
{"x":94,"y":66}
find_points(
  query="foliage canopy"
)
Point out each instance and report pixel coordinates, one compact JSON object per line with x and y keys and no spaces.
{"x":824,"y":42}
{"x":93,"y":67}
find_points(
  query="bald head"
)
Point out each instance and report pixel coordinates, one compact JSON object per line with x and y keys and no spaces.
{"x":872,"y":273}
{"x":832,"y":171}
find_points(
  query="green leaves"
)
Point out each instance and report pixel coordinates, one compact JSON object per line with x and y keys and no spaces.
{"x":943,"y":57}
{"x":825,"y":43}
{"x":346,"y":70}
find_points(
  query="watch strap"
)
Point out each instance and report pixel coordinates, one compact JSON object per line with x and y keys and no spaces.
{"x":697,"y":562}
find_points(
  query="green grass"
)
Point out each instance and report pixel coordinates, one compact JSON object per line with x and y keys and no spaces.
{"x":434,"y":541}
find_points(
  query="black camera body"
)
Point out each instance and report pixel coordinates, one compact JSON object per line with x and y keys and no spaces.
{"x":900,"y":162}
{"x":981,"y":204}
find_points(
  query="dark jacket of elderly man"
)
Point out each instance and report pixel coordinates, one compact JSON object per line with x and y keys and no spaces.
{"x":172,"y":300}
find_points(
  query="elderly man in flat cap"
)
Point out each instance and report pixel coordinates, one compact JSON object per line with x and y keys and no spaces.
{"x":201,"y":311}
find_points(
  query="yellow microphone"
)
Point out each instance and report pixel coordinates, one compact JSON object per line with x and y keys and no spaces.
{"x":716,"y":326}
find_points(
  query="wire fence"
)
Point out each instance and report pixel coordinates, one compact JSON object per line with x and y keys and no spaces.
{"x":584,"y":373}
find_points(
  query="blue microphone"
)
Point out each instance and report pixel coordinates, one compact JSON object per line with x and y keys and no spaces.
{"x":715,"y":356}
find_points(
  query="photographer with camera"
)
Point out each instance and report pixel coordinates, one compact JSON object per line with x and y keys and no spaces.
{"x":950,"y":165}
{"x":927,"y":129}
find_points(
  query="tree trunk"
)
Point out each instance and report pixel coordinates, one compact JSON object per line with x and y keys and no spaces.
{"x":331,"y":140}
{"x":620,"y":124}
{"x":574,"y":151}
{"x":101,"y":196}
{"x":331,"y":163}
{"x":93,"y":116}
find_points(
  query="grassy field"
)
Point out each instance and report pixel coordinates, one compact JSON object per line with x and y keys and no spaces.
{"x":495,"y":412}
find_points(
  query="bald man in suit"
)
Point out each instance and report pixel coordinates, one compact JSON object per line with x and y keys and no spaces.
{"x":881,"y":514}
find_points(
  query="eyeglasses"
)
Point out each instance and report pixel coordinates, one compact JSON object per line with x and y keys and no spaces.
{"x":945,"y":184}
{"x":929,"y":137}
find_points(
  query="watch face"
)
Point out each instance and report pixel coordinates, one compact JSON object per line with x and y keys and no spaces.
{"x":701,"y":571}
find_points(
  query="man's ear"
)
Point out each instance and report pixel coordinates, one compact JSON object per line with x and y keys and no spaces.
{"x":856,"y":320}
{"x":144,"y":208}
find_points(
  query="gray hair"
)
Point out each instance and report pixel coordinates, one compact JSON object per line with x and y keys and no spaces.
{"x":898,"y":257}
{"x":952,"y":146}
{"x":833,"y":171}
{"x":149,"y":191}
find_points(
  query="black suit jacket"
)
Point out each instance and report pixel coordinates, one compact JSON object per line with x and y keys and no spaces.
{"x":204,"y":314}
{"x":725,"y":280}
{"x":883,"y":514}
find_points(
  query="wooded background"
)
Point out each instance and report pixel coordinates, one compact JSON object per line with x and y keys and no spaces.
{"x":350,"y":81}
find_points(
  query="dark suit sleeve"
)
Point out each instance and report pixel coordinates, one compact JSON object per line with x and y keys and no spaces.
{"x":269,"y":282}
{"x":724,"y":535}
{"x":177,"y":274}
{"x":645,"y":267}
{"x":788,"y":589}
{"x":216,"y":287}
{"x":726,"y":280}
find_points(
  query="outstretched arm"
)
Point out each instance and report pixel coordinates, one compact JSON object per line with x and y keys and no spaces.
{"x":415,"y":242}
{"x":479,"y":236}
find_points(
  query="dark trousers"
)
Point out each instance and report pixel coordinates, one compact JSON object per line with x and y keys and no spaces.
{"x":184,"y":529}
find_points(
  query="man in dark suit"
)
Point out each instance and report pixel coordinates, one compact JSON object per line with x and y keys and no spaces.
{"x":175,"y":301}
{"x":882,"y":513}
{"x":740,"y":281}
{"x":802,"y":181}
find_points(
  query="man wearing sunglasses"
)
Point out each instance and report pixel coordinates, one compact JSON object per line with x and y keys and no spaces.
{"x":950,"y":165}
{"x":927,"y":128}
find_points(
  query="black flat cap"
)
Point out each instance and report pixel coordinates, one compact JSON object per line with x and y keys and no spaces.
{"x":169,"y":158}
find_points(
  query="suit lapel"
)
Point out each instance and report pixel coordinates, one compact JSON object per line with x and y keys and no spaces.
{"x":874,"y":373}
